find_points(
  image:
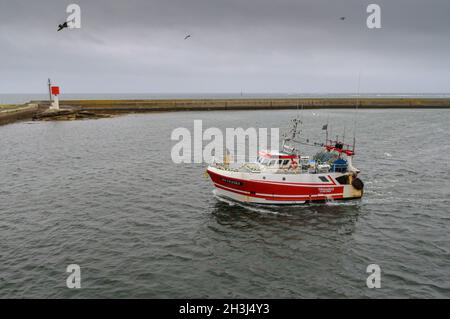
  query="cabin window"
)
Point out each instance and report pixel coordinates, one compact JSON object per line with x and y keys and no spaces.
{"x":280,"y":162}
{"x":323,"y":179}
{"x":285,"y":162}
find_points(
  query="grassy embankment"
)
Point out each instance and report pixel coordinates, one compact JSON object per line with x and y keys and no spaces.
{"x":10,"y":113}
{"x":8,"y":107}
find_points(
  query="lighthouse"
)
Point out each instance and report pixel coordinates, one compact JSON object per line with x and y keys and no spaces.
{"x":54,"y":93}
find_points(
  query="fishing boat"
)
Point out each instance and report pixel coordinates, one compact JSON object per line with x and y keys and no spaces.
{"x":288,"y":176}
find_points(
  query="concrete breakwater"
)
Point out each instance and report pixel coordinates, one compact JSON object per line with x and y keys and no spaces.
{"x":83,"y":109}
{"x":251,"y":104}
{"x":13,"y":114}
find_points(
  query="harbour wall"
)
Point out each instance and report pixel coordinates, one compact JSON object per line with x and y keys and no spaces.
{"x":251,"y":104}
{"x":20,"y":113}
{"x":33,"y":108}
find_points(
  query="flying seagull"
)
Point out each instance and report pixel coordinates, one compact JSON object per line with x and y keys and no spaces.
{"x":187,"y":37}
{"x":342,"y":18}
{"x":62,"y":26}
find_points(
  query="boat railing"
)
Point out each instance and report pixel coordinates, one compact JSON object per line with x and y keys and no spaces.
{"x":254,"y":168}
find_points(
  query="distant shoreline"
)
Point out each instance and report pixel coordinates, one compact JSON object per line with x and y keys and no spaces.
{"x":33,"y":108}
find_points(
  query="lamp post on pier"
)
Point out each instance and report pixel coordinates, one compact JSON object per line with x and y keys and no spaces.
{"x":50,"y":90}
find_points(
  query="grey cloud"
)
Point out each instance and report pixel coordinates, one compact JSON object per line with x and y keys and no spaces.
{"x":250,"y":45}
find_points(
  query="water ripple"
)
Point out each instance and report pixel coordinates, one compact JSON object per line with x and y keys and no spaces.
{"x":105,"y":195}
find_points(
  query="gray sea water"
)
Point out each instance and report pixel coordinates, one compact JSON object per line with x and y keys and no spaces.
{"x":104,"y":194}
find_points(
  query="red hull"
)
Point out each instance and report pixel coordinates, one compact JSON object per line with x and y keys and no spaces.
{"x":278,"y":191}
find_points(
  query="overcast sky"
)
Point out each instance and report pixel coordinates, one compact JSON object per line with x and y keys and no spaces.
{"x":265,"y":46}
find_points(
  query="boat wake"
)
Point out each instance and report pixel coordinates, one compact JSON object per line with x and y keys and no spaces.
{"x":277,"y":210}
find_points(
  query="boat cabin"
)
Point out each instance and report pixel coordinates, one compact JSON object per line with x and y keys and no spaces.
{"x":277,"y":160}
{"x":323,"y":162}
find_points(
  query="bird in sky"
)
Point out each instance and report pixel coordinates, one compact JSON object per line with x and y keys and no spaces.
{"x":62,"y":26}
{"x":343,"y":18}
{"x":187,"y":37}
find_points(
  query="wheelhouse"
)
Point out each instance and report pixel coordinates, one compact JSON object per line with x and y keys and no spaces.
{"x":276,"y":159}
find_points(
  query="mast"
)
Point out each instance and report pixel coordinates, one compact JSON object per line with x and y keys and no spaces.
{"x":50,"y":90}
{"x":356,"y":111}
{"x":343,"y":137}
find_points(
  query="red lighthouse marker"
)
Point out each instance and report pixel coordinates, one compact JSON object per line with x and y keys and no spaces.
{"x":55,"y":92}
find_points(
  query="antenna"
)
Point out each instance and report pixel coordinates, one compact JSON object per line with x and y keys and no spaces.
{"x":356,"y":110}
{"x":331,"y":134}
{"x":343,"y":137}
{"x":50,"y":90}
{"x":301,"y":113}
